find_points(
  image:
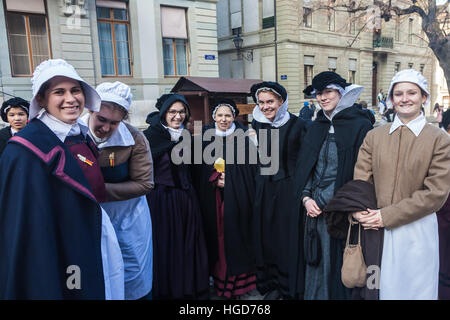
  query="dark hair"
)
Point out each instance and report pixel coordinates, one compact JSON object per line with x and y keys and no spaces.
{"x":391,"y":95}
{"x":116,"y":107}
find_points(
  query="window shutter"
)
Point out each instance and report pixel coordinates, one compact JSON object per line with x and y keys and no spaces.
{"x":173,"y":23}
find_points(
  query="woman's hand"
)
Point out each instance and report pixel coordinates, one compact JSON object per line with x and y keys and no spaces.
{"x":221,"y":180}
{"x":372,"y":220}
{"x":359,"y":214}
{"x":312,"y":209}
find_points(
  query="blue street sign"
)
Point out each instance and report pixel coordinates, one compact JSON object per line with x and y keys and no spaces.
{"x":284,"y":77}
{"x":210,"y":57}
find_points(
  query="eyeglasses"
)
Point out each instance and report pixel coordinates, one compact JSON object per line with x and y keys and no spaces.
{"x":175,"y":112}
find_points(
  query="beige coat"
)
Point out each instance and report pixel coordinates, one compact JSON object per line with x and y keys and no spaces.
{"x":411,"y":174}
{"x":140,"y":168}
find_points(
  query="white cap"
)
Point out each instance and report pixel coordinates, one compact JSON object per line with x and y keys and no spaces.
{"x":409,"y":75}
{"x":116,"y":92}
{"x":51,"y":68}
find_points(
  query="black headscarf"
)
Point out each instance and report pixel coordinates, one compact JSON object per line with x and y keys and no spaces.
{"x":271,"y":85}
{"x":323,"y":79}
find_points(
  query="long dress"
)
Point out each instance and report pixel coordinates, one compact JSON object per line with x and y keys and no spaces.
{"x":227,"y":217}
{"x":326,"y":162}
{"x":180,"y":268}
{"x":273,"y":208}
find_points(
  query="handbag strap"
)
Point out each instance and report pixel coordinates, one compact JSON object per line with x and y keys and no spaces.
{"x":350,"y":229}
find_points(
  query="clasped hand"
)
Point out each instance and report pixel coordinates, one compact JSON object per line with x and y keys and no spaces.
{"x":370,"y":219}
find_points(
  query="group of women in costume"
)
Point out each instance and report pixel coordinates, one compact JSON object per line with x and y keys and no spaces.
{"x":93,"y":208}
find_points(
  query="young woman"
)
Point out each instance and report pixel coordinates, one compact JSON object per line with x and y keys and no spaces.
{"x":273,"y":195}
{"x":227,"y":202}
{"x":126,"y":164}
{"x":408,"y":162}
{"x":181,"y":262}
{"x":326,"y":161}
{"x":57,"y":242}
{"x":15,"y":112}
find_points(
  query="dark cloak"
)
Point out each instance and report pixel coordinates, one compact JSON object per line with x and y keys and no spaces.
{"x":180,"y":267}
{"x":239,"y":194}
{"x":274,"y":201}
{"x":443,"y":217}
{"x":49,"y":220}
{"x":357,"y":195}
{"x":350,"y":127}
{"x":5,"y":134}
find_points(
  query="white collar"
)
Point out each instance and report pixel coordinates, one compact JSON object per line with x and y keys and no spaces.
{"x":349,"y":96}
{"x":229,"y":131}
{"x":281,"y":117}
{"x":175,"y":134}
{"x":62,"y":129}
{"x":14,"y":131}
{"x":415,"y":125}
{"x":121,"y":137}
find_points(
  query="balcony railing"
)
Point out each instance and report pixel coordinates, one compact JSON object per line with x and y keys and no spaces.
{"x":383,"y":42}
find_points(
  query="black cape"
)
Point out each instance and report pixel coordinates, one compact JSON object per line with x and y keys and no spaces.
{"x":5,"y":134}
{"x":357,"y":195}
{"x":350,"y":127}
{"x":274,"y":201}
{"x":49,"y":220}
{"x":238,"y":195}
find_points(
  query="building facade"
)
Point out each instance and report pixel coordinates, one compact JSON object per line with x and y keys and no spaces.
{"x":293,"y":40}
{"x":147,"y":44}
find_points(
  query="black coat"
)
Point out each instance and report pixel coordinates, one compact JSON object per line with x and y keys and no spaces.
{"x":238,"y":197}
{"x":50,"y":220}
{"x":357,"y":195}
{"x":350,"y":127}
{"x":5,"y":134}
{"x":274,"y":206}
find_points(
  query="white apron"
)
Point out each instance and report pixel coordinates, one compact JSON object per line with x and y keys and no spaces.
{"x":113,"y":268}
{"x":410,"y":261}
{"x":132,"y":223}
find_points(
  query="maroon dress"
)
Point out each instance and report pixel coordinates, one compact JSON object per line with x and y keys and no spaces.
{"x":85,"y":152}
{"x":227,"y":285}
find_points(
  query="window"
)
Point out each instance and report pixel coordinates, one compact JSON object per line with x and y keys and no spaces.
{"x":422,"y":67}
{"x":331,"y":20}
{"x":410,"y":65}
{"x":114,"y":38}
{"x":268,"y":14}
{"x":332,"y":63}
{"x":174,"y":33}
{"x":307,"y":17}
{"x":352,"y":21}
{"x":397,"y":29}
{"x":410,"y":31}
{"x":352,"y":70}
{"x":28,"y":35}
{"x":308,"y":69}
{"x":397,"y":67}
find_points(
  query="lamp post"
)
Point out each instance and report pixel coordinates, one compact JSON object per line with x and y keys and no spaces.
{"x":237,"y":40}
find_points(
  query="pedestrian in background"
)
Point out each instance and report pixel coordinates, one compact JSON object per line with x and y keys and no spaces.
{"x":15,"y":112}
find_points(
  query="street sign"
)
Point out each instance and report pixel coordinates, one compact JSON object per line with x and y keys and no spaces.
{"x":210,"y":57}
{"x":284,"y":77}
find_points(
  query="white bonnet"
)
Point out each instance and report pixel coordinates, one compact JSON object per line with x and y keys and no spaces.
{"x":409,"y":75}
{"x":116,"y":92}
{"x":51,"y":68}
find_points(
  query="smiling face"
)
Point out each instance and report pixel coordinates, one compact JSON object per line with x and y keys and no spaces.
{"x":17,"y":118}
{"x":407,"y":99}
{"x":223,"y":118}
{"x":64,"y":99}
{"x":269,"y":103}
{"x":328,"y":99}
{"x":106,"y":121}
{"x":175,"y":115}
